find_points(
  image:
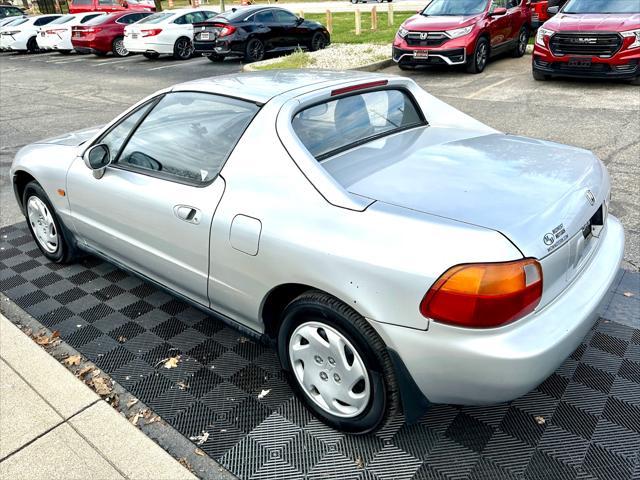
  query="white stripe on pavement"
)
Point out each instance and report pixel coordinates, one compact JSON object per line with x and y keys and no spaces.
{"x":110,"y":62}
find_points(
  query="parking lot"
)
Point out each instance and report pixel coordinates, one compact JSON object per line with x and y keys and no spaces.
{"x":581,"y":423}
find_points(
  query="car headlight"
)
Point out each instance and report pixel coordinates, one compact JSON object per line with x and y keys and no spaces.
{"x":543,"y":32}
{"x":402,"y":32}
{"x":634,"y":34}
{"x":459,"y":32}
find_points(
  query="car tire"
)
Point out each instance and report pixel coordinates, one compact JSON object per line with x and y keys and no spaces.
{"x":32,"y":45}
{"x":318,"y":42}
{"x":539,"y":76}
{"x":254,"y":51}
{"x":117,"y":47}
{"x":478,"y":62}
{"x":635,"y":81}
{"x":182,"y":49}
{"x":521,"y":43}
{"x":151,"y":55}
{"x":214,"y":57}
{"x":363,"y":361}
{"x":44,"y":225}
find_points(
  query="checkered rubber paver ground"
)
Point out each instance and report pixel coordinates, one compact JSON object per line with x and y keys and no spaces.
{"x":590,"y":406}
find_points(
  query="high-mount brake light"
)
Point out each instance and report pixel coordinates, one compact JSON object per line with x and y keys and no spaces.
{"x":360,"y":86}
{"x":484,"y":295}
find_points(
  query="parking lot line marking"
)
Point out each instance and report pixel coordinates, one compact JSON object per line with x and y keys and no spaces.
{"x":62,"y":62}
{"x":111,"y":62}
{"x":488,"y":87}
{"x":165,"y":66}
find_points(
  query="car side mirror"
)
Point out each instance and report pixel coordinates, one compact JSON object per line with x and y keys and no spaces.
{"x":97,"y":157}
{"x":299,"y":21}
{"x":553,"y":10}
{"x":498,"y":11}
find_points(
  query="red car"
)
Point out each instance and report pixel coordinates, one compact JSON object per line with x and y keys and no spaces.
{"x":540,"y":11}
{"x":463,"y":32}
{"x":105,"y":33}
{"x":80,"y":6}
{"x":590,"y":38}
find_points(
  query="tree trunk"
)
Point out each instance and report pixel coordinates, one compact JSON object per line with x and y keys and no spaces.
{"x":158,"y":5}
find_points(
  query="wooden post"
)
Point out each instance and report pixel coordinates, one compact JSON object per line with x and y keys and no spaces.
{"x":195,"y":3}
{"x":57,"y":7}
{"x":170,"y":3}
{"x":329,"y":21}
{"x":301,"y":14}
{"x":374,"y":18}
{"x":358,"y":23}
{"x":390,"y":14}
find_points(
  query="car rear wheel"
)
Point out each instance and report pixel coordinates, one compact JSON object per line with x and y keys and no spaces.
{"x":254,"y":51}
{"x":318,"y":41}
{"x":117,"y":47}
{"x":32,"y":45}
{"x":478,"y":61}
{"x":44,"y":224}
{"x":214,"y":57}
{"x":337,"y":363}
{"x":521,"y":44}
{"x":182,"y":49}
{"x":151,"y":55}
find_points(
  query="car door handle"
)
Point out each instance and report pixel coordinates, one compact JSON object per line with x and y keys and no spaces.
{"x":187,"y":213}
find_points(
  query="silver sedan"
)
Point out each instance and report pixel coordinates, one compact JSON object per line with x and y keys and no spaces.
{"x":396,"y":251}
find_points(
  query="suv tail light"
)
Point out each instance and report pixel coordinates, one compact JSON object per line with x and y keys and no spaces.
{"x":484,"y":295}
{"x":151,"y":33}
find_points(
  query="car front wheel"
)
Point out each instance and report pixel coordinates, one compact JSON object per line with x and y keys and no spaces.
{"x":337,"y":363}
{"x":44,"y":224}
{"x":539,"y":76}
{"x":478,"y":61}
{"x":318,"y":41}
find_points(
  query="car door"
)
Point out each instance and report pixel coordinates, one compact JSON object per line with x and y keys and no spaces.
{"x":152,"y":208}
{"x":269,"y":31}
{"x":499,"y":24}
{"x":292,"y":34}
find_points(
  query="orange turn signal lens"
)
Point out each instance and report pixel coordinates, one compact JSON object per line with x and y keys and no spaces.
{"x":485,"y":295}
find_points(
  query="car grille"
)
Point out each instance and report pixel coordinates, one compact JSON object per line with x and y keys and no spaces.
{"x":432,"y":39}
{"x":585,"y":43}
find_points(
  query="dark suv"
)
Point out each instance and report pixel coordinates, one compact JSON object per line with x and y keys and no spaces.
{"x":463,"y":32}
{"x":251,"y":32}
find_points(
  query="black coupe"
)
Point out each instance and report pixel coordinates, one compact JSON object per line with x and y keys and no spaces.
{"x":252,"y":32}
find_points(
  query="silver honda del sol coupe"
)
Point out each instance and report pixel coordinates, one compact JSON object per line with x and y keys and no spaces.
{"x":397,"y":251}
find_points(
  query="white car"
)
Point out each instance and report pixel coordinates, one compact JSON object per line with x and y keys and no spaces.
{"x":21,"y":35}
{"x":7,"y":20}
{"x":169,"y":32}
{"x":57,"y":34}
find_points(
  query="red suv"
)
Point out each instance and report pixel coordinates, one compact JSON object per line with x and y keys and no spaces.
{"x":540,"y":11}
{"x":463,"y":32}
{"x":80,"y":6}
{"x":104,"y":34}
{"x":590,"y":38}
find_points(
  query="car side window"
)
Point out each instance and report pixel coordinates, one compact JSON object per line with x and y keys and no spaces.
{"x":187,"y":137}
{"x":264,"y":17}
{"x":283,"y":16}
{"x":115,"y":138}
{"x":207,"y":14}
{"x":43,"y":21}
{"x":181,"y":20}
{"x":89,"y":17}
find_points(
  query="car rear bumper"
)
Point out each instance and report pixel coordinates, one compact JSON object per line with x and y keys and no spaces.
{"x":137,"y":46}
{"x":476,"y":367}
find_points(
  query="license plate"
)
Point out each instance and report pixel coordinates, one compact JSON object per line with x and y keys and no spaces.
{"x":134,"y":36}
{"x":580,"y":62}
{"x":421,"y":54}
{"x":204,"y":36}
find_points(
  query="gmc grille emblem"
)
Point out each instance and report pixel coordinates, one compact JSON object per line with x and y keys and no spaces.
{"x":586,"y":40}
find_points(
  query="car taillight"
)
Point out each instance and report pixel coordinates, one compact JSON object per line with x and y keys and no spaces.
{"x":226,"y":30}
{"x":91,"y":30}
{"x":151,"y":33}
{"x":484,"y":295}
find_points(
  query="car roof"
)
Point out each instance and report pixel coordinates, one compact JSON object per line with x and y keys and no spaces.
{"x":263,"y":86}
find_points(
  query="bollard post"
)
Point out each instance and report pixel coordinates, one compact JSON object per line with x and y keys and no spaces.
{"x":301,"y":14}
{"x":358,"y":23}
{"x":329,"y":21}
{"x":390,"y":14}
{"x":374,"y":18}
{"x":170,"y":2}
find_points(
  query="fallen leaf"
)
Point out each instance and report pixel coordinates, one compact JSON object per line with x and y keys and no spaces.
{"x":122,"y":339}
{"x":132,"y":402}
{"x":101,"y":385}
{"x":263,"y":394}
{"x":182,"y":385}
{"x":137,"y":416}
{"x":243,"y":340}
{"x":359,"y":462}
{"x":151,"y":419}
{"x":84,"y":370}
{"x":72,"y":360}
{"x":199,"y":452}
{"x":200,"y":439}
{"x":55,"y":334}
{"x":628,"y":294}
{"x":183,"y":461}
{"x":172,"y":362}
{"x":540,"y":420}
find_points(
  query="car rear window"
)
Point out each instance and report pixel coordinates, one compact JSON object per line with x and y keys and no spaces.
{"x":100,"y":19}
{"x":82,"y":2}
{"x":63,"y":19}
{"x":337,"y":125}
{"x":157,"y":17}
{"x":18,"y":21}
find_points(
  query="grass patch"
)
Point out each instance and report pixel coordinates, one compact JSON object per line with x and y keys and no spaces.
{"x":297,"y":59}
{"x":344,"y":30}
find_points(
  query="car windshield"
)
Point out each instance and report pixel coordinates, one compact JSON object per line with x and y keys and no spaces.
{"x":156,"y":17}
{"x":455,"y":7}
{"x":602,"y":6}
{"x":337,"y":125}
{"x":62,"y":19}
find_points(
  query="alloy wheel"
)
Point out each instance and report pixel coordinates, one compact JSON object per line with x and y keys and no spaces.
{"x":522,"y":42}
{"x":44,"y":228}
{"x":329,"y":369}
{"x":184,"y":48}
{"x":119,"y":48}
{"x":481,"y":56}
{"x":318,"y":42}
{"x":256,"y":50}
